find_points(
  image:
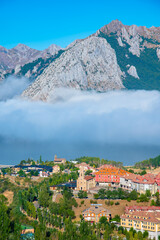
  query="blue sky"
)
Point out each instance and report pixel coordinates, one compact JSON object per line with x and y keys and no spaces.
{"x":38,"y":23}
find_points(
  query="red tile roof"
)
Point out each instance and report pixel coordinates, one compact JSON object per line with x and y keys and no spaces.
{"x":111,"y":171}
{"x":142,"y":208}
{"x":144,"y":216}
{"x":87,"y":178}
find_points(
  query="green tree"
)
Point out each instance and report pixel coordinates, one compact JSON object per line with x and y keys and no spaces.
{"x":3,"y":171}
{"x":21,"y":173}
{"x":116,"y":218}
{"x":44,"y":196}
{"x":145,"y":234}
{"x":157,"y":199}
{"x":82,"y":194}
{"x":133,"y":195}
{"x":153,"y":202}
{"x":148,"y":193}
{"x":4,"y":221}
{"x":103,"y":220}
{"x":143,"y":198}
{"x":67,"y":193}
{"x":88,"y":172}
{"x":102,"y":193}
{"x":143,"y":172}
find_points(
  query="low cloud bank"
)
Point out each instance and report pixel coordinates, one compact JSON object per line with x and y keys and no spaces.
{"x":12,"y":87}
{"x":115,"y":117}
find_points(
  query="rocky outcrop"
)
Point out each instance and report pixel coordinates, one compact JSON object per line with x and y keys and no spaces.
{"x":158,"y":53}
{"x":133,"y":72}
{"x":90,"y":64}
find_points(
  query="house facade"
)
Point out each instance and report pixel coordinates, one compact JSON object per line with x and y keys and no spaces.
{"x":85,"y":166}
{"x":94,"y":213}
{"x":56,"y":169}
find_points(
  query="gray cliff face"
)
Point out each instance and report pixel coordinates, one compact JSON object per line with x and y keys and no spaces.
{"x":90,"y":64}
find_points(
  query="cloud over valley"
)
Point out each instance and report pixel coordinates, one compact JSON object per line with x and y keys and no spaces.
{"x":116,"y":117}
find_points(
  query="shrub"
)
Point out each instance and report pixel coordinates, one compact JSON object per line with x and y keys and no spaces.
{"x":153,"y":203}
{"x":92,"y":201}
{"x":111,"y":203}
{"x":96,"y":196}
{"x":107,"y":203}
{"x":82,"y":202}
{"x":117,"y":203}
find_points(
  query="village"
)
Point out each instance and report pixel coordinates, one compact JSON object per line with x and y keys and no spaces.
{"x":95,"y":185}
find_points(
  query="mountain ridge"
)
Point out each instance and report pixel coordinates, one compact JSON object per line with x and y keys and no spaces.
{"x":11,"y":60}
{"x":136,"y":54}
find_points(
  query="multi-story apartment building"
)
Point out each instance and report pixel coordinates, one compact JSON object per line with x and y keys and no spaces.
{"x":139,"y":183}
{"x":94,"y":213}
{"x":109,"y":176}
{"x":141,"y":220}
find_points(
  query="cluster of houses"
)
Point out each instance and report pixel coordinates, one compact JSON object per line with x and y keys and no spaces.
{"x":110,"y":176}
{"x":43,"y":170}
{"x":104,"y":176}
{"x":140,"y":218}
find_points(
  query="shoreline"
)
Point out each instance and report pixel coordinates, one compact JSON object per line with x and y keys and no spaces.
{"x":6,"y":166}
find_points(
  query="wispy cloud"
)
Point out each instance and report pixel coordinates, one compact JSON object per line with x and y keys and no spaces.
{"x":12,"y":87}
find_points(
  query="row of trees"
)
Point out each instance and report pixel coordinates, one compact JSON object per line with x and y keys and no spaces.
{"x":96,"y":162}
{"x":116,"y":194}
{"x":122,"y":194}
{"x":10,"y":227}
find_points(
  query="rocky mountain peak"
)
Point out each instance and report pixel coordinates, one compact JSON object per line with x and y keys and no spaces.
{"x":114,"y":26}
{"x":89,"y":65}
{"x":22,"y":47}
{"x":52,"y":49}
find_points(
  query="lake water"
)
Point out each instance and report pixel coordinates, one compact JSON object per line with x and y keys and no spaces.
{"x":12,"y":152}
